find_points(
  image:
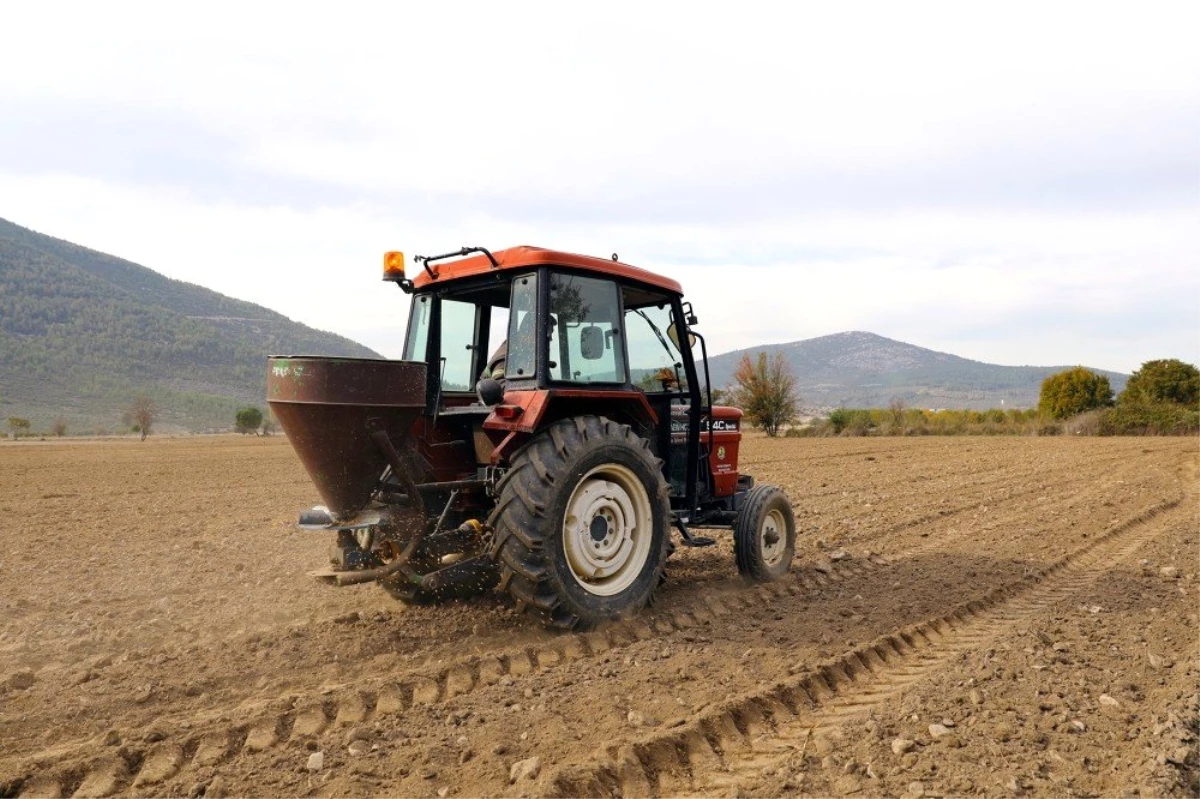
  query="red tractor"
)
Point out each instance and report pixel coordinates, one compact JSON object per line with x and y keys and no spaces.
{"x":548,"y":426}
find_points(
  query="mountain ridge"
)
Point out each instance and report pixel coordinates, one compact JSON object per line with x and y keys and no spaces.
{"x":81,"y":332}
{"x":860,"y":369}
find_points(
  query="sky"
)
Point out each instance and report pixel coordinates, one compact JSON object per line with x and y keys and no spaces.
{"x":1016,"y":183}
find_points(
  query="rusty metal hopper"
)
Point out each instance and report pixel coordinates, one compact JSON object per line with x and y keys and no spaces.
{"x":328,"y":407}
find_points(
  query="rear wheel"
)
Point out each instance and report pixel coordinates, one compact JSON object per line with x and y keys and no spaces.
{"x":764,"y":534}
{"x":581,"y":526}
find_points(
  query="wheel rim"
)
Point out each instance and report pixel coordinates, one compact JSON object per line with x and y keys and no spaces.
{"x":607,"y":529}
{"x":772,"y":537}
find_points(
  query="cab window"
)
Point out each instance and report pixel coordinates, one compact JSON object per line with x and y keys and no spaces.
{"x":585,"y":329}
{"x":458,"y":338}
{"x":521,"y":345}
{"x":655,"y":363}
{"x":418,"y":329}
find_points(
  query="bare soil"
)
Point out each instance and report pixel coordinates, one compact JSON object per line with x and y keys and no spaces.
{"x":966,"y":617}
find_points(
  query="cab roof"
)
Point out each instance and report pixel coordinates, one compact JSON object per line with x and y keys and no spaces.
{"x":525,"y":257}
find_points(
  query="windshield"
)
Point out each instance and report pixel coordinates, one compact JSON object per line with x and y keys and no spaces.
{"x":655,"y":363}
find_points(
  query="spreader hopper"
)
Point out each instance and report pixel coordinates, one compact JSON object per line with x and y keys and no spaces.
{"x":332,"y":409}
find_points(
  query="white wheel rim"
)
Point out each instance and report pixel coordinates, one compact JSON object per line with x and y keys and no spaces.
{"x":607,"y":529}
{"x":772,"y":537}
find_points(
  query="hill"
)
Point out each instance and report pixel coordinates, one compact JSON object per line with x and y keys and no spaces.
{"x":863,"y":370}
{"x":81,"y":333}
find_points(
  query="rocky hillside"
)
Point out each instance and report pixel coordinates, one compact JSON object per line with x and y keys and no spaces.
{"x":82,"y":332}
{"x":863,"y":370}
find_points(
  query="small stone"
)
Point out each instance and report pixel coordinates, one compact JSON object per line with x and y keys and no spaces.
{"x":358,"y":748}
{"x":112,"y":738}
{"x":975,"y":696}
{"x":316,"y":761}
{"x":949,"y":723}
{"x":902,"y":745}
{"x":527,"y":769}
{"x":1156,"y":661}
{"x":1108,"y":701}
{"x":1004,"y":731}
{"x":841,"y":554}
{"x":636,"y":718}
{"x":1077,"y":726}
{"x":444,"y":792}
{"x":939,"y":730}
{"x":1169,"y":572}
{"x":915,"y":790}
{"x":465,"y":757}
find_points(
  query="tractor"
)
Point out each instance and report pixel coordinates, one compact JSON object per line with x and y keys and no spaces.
{"x":548,"y":429}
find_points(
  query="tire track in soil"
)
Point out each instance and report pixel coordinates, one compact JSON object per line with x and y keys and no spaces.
{"x":727,"y":747}
{"x":209,"y":740}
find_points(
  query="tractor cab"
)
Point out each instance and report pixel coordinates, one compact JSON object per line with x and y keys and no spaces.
{"x":526,"y":336}
{"x":548,"y":426}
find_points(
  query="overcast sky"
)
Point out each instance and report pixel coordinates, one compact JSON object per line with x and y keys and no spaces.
{"x":1014,"y":183}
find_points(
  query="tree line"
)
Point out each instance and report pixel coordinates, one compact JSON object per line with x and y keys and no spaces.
{"x":1162,"y":397}
{"x":141,"y":416}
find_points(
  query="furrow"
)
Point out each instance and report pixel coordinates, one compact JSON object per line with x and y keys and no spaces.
{"x":708,"y":754}
{"x":216,"y":743}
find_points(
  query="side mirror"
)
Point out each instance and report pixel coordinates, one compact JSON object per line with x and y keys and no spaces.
{"x":673,"y":334}
{"x":489,"y":391}
{"x":591,"y":343}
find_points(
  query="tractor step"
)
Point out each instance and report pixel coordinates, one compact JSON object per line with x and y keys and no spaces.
{"x":690,"y":540}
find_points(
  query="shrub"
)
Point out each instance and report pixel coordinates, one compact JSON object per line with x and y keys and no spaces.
{"x":1149,"y":419}
{"x":1169,"y":380}
{"x":18,"y":426}
{"x":1074,"y":391}
{"x":248,"y":420}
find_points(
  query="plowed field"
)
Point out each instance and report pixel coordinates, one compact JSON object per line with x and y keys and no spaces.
{"x":966,"y":616}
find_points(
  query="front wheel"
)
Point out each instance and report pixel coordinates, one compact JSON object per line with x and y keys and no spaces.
{"x":764,"y":534}
{"x":582,"y":523}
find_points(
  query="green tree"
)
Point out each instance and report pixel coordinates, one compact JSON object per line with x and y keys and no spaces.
{"x":1169,"y":380}
{"x":766,"y":392}
{"x":1074,"y":391}
{"x":249,"y":419}
{"x":17,"y":425}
